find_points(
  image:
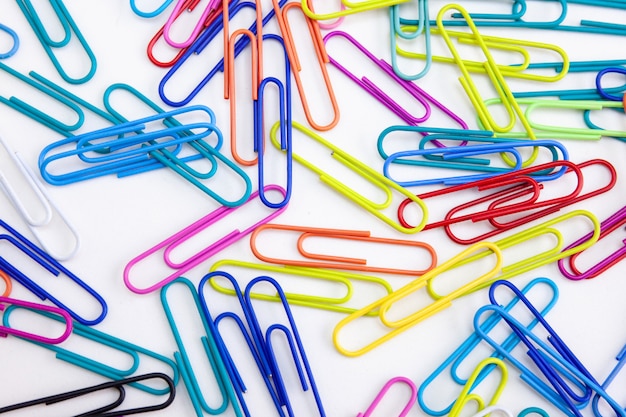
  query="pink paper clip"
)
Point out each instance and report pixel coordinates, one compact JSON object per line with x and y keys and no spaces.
{"x":211,"y":7}
{"x":383,"y":391}
{"x":179,"y":238}
{"x":5,"y":329}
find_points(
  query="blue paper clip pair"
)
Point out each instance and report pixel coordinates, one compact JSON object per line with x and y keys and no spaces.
{"x":260,"y":341}
{"x":16,"y":42}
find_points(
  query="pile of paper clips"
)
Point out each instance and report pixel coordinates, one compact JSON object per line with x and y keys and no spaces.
{"x":519,"y":180}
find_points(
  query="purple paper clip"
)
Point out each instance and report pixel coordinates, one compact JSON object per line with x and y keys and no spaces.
{"x":179,"y":238}
{"x":609,"y":225}
{"x":383,"y":391}
{"x":5,"y":329}
{"x":425,"y":99}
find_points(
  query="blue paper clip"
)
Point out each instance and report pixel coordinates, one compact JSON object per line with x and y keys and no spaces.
{"x":70,"y":28}
{"x":105,"y":341}
{"x":263,"y":339}
{"x":460,"y":354}
{"x":16,"y":42}
{"x":183,"y":361}
{"x":604,"y":92}
{"x":621,"y":361}
{"x":198,"y":46}
{"x":422,"y":24}
{"x":49,"y":264}
{"x":148,"y":14}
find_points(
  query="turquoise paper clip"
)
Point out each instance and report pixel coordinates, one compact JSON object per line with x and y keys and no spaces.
{"x":49,"y":45}
{"x":16,"y":42}
{"x":104,"y":340}
{"x":422,"y":29}
{"x":199,"y":400}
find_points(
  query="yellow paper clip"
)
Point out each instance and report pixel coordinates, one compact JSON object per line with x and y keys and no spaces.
{"x":466,"y":396}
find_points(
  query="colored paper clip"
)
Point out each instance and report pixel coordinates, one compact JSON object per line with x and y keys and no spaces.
{"x":296,"y":66}
{"x":199,"y":46}
{"x":47,"y":207}
{"x":621,"y":360}
{"x":104,"y":341}
{"x":321,"y":260}
{"x":211,"y":7}
{"x":348,"y":7}
{"x":70,"y":30}
{"x":264,"y":337}
{"x":609,"y":225}
{"x":6,"y":329}
{"x":179,"y":238}
{"x":395,"y":380}
{"x":104,"y":411}
{"x":149,"y":14}
{"x":329,"y":25}
{"x":284,"y":102}
{"x":416,"y":93}
{"x":376,"y":179}
{"x":49,"y":264}
{"x":465,"y":397}
{"x":334,"y":303}
{"x":8,"y":285}
{"x":606,"y":93}
{"x":382,"y":305}
{"x":419,"y":27}
{"x":16,"y":42}
{"x":461,"y":354}
{"x":241,"y":388}
{"x":199,"y":400}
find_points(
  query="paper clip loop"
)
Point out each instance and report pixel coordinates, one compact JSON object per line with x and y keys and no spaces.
{"x":49,"y":264}
{"x":376,"y":179}
{"x":16,"y":42}
{"x":8,"y":285}
{"x":321,"y":260}
{"x":210,"y":8}
{"x":149,"y":14}
{"x":6,"y":329}
{"x":348,"y":7}
{"x":179,"y":238}
{"x":395,"y":380}
{"x":70,"y":27}
{"x":465,"y":396}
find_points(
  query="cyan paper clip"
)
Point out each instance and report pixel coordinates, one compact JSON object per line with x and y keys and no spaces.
{"x":461,"y":355}
{"x":160,"y":8}
{"x":7,"y":329}
{"x":101,"y":343}
{"x":108,"y":410}
{"x":177,"y":268}
{"x":71,"y":31}
{"x":50,"y":265}
{"x":201,"y":401}
{"x":419,"y":27}
{"x":14,"y":37}
{"x":393,"y":381}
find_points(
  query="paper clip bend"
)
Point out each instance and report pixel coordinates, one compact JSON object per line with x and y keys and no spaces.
{"x":605,"y":92}
{"x":6,"y":329}
{"x":211,"y":7}
{"x":465,"y":396}
{"x":8,"y":284}
{"x":105,"y":411}
{"x":69,"y":27}
{"x":16,"y":42}
{"x":149,"y":14}
{"x":395,"y":380}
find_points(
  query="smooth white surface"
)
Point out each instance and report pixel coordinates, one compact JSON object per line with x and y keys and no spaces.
{"x":120,"y":218}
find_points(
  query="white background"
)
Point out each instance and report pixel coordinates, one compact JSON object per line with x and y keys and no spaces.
{"x":119,"y":218}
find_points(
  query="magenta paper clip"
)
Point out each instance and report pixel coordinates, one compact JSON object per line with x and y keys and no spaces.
{"x":179,"y":238}
{"x":211,"y":7}
{"x":5,"y":329}
{"x":422,"y":97}
{"x":383,"y":391}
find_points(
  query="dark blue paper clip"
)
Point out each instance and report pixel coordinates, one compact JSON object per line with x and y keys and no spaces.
{"x":198,"y":46}
{"x":105,"y":341}
{"x":210,"y":345}
{"x":149,"y":14}
{"x":16,"y":42}
{"x":621,"y":361}
{"x":460,"y":355}
{"x":109,"y":409}
{"x":70,"y":28}
{"x":284,"y":94}
{"x":51,"y":265}
{"x":263,"y":340}
{"x":258,"y":356}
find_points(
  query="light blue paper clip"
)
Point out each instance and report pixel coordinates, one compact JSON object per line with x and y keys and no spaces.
{"x":149,"y":14}
{"x":422,"y":24}
{"x":16,"y":42}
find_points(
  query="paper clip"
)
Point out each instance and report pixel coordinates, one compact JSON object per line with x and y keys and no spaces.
{"x":533,"y":410}
{"x":104,"y":341}
{"x":6,"y":329}
{"x":395,"y":380}
{"x":609,"y":225}
{"x":421,"y":28}
{"x":348,"y":7}
{"x":461,"y":354}
{"x":16,"y":42}
{"x":605,"y":93}
{"x":199,"y":400}
{"x":321,"y":260}
{"x":421,"y":96}
{"x":149,"y":14}
{"x":70,"y":28}
{"x":465,"y":397}
{"x":263,"y":337}
{"x":621,"y":360}
{"x":376,"y":179}
{"x":330,"y":25}
{"x":104,"y":411}
{"x":8,"y":285}
{"x":397,"y":326}
{"x":52,"y":266}
{"x":211,"y":7}
{"x":335,"y":303}
{"x":179,"y":238}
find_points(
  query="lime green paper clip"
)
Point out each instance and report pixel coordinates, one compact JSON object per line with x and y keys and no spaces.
{"x":367,"y":173}
{"x":467,"y":396}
